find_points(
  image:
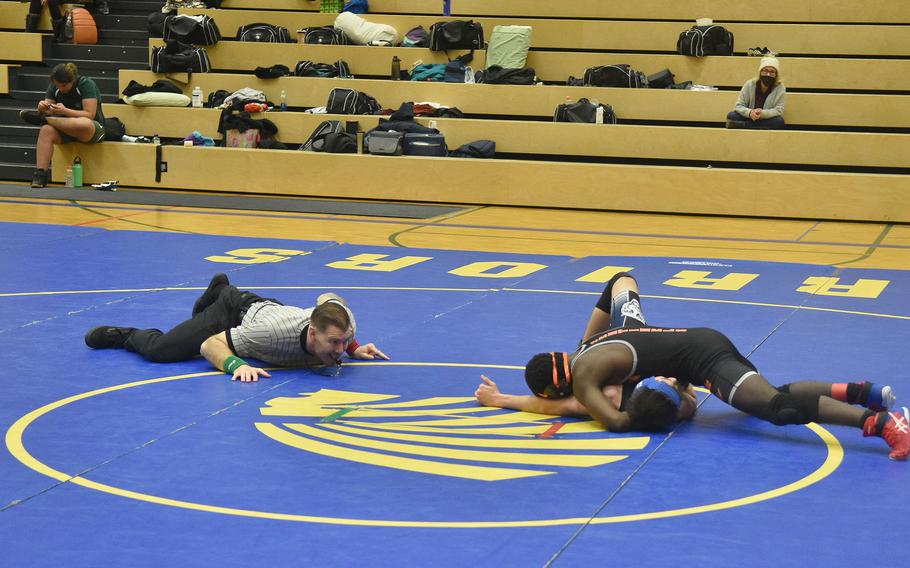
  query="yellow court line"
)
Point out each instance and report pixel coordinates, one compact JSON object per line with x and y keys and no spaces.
{"x":15,"y":445}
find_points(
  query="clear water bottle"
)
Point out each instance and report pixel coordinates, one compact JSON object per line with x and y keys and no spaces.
{"x":156,"y":140}
{"x":77,"y":172}
{"x":283,"y":101}
{"x":197,"y":97}
{"x":69,"y":178}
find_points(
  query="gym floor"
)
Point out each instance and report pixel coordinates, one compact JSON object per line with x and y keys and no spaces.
{"x":115,"y":461}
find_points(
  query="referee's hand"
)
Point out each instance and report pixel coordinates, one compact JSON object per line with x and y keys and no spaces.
{"x":369,"y":351}
{"x":248,"y":374}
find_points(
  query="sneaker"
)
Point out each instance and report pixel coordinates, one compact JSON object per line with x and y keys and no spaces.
{"x":878,"y":397}
{"x":755,"y":52}
{"x":211,"y":293}
{"x":33,"y":117}
{"x":894,"y":428}
{"x":169,"y":7}
{"x":40,"y":178}
{"x":107,"y":337}
{"x":734,"y":124}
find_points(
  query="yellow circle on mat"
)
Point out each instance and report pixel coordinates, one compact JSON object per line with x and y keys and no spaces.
{"x":833,"y":459}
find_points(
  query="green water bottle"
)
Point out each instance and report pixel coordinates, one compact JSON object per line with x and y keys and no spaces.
{"x":77,"y":172}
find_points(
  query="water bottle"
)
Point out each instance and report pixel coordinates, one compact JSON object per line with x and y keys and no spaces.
{"x":77,"y":172}
{"x":446,"y":7}
{"x":283,"y":101}
{"x":69,"y":177}
{"x":156,"y":140}
{"x":396,"y":68}
{"x":197,"y":97}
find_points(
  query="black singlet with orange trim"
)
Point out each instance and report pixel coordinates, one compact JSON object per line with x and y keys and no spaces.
{"x":692,"y":355}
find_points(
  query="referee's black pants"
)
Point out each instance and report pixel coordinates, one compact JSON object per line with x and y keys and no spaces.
{"x":184,"y":341}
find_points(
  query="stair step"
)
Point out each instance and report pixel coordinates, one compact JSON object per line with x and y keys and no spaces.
{"x":36,"y":96}
{"x":107,"y":81}
{"x":16,"y":171}
{"x":115,"y":53}
{"x":123,"y":21}
{"x":17,"y":153}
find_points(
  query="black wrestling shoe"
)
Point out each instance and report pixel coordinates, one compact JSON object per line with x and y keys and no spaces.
{"x":33,"y":117}
{"x":108,"y":337}
{"x":40,"y":178}
{"x":211,"y":293}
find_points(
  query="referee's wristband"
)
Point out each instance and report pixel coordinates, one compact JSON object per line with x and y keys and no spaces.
{"x":232,"y":363}
{"x":352,"y":347}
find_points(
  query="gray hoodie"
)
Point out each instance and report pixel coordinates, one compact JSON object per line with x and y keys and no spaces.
{"x":774,"y":104}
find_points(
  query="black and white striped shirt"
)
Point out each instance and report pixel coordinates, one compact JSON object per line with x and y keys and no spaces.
{"x":273,"y":333}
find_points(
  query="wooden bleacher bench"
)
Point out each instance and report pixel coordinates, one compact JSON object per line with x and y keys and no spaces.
{"x":623,"y":35}
{"x":815,"y":109}
{"x":20,"y":47}
{"x":13,"y":12}
{"x":857,"y":149}
{"x":714,"y":191}
{"x":4,"y":77}
{"x":556,"y":66}
{"x":849,"y":11}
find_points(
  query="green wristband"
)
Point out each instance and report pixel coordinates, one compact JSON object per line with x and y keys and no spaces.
{"x":232,"y":363}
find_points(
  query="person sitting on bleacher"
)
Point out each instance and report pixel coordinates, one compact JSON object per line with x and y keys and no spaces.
{"x":70,"y":112}
{"x":761,"y":100}
{"x":34,"y":17}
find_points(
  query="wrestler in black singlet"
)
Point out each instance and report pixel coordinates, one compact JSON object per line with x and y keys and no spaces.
{"x":698,"y":356}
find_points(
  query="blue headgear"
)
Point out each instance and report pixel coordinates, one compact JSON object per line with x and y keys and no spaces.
{"x":661,"y":387}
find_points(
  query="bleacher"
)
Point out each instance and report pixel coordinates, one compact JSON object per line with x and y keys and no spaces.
{"x":844,"y":155}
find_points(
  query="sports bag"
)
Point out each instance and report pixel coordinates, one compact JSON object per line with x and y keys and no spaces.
{"x":316,"y":141}
{"x":196,"y":30}
{"x":341,"y":143}
{"x":475,"y":149}
{"x":661,"y":79}
{"x":265,"y":33}
{"x":324,"y":35}
{"x":457,"y":34}
{"x":416,"y":37}
{"x":509,"y":46}
{"x":307,"y":68}
{"x":705,"y":40}
{"x":177,"y":57}
{"x":381,"y":143}
{"x":496,"y":75}
{"x":614,"y":76}
{"x":419,"y":144}
{"x":114,"y":129}
{"x":349,"y":101}
{"x":156,"y":23}
{"x":585,"y":111}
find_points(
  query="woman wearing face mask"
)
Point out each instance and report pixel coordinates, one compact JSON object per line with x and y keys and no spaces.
{"x":761,"y":100}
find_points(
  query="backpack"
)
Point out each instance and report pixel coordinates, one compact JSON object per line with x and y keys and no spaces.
{"x":265,"y":33}
{"x":496,"y":75}
{"x":457,"y":34}
{"x":509,"y":46}
{"x":705,"y":40}
{"x":324,"y":35}
{"x":584,"y":111}
{"x":614,"y":76}
{"x":661,"y":79}
{"x":307,"y":68}
{"x":316,"y":141}
{"x":349,"y":101}
{"x":196,"y":30}
{"x":416,"y":37}
{"x":156,"y":23}
{"x":114,"y":129}
{"x":177,"y":57}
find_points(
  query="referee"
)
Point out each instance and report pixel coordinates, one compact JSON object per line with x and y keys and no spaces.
{"x":229,"y":324}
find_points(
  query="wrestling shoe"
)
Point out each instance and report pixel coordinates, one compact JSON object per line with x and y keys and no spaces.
{"x":40,"y":178}
{"x":33,"y":117}
{"x":108,"y":337}
{"x":894,"y":428}
{"x":877,"y":397}
{"x":211,"y":293}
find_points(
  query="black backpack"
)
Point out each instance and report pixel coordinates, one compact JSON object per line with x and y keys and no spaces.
{"x":324,"y":35}
{"x":196,"y":30}
{"x":177,"y":57}
{"x":265,"y":33}
{"x":316,"y":141}
{"x":583,"y":111}
{"x":349,"y":101}
{"x":457,"y":34}
{"x":705,"y":40}
{"x":307,"y":68}
{"x":661,"y":80}
{"x":496,"y":75}
{"x":614,"y":76}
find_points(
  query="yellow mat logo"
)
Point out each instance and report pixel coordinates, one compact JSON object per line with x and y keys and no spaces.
{"x":446,"y":436}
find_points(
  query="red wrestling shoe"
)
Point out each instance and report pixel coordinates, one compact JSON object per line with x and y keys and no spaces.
{"x":894,"y":428}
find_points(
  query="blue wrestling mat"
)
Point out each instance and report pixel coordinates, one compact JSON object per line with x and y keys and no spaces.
{"x":115,"y":461}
